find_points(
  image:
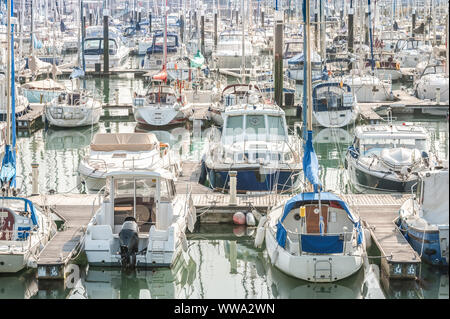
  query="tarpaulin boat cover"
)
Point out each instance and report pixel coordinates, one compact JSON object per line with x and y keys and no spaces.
{"x":135,"y":142}
{"x":435,"y":197}
{"x":47,"y":84}
{"x":322,"y":244}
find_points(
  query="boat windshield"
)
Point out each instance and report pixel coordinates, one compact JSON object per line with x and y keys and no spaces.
{"x":142,"y":187}
{"x":376,"y":145}
{"x":256,"y":127}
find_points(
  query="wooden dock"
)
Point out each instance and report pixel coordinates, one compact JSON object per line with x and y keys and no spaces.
{"x":405,"y":103}
{"x":31,"y":121}
{"x":76,"y":210}
{"x":377,"y":212}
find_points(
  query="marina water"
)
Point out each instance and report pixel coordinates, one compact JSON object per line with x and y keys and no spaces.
{"x":221,"y":261}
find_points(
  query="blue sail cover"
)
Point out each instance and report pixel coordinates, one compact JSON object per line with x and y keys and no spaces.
{"x":311,"y":163}
{"x":306,"y":198}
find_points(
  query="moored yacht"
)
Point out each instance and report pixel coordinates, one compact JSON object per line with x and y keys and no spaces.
{"x":389,"y":157}
{"x":93,"y":47}
{"x":141,"y":222}
{"x":113,"y":151}
{"x":73,"y":109}
{"x":423,"y":219}
{"x":256,"y":145}
{"x":334,"y":104}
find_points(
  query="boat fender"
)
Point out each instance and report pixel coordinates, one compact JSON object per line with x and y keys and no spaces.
{"x":32,"y":263}
{"x":239,"y":231}
{"x":239,"y":218}
{"x":250,"y":219}
{"x":367,"y":238}
{"x":260,"y":232}
{"x":274,"y":256}
{"x":191,"y":220}
{"x":184,"y":242}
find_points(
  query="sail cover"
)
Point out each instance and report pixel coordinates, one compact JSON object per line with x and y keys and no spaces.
{"x":311,"y":163}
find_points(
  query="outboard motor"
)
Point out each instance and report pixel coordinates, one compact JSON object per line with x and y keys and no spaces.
{"x":129,"y":242}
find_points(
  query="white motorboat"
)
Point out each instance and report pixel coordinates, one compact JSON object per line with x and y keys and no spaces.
{"x":254,"y":143}
{"x":228,"y":54}
{"x":93,"y":47}
{"x":141,"y":222}
{"x":423,"y":219}
{"x":388,"y":157}
{"x":113,"y":151}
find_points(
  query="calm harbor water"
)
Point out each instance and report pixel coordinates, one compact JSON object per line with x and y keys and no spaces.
{"x":221,"y":260}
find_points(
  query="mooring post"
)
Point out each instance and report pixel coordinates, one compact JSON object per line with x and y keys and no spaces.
{"x":215,"y":29}
{"x":233,"y":183}
{"x":35,"y":178}
{"x":182,"y":29}
{"x":262,"y":18}
{"x":202,"y":34}
{"x":150,"y":22}
{"x":105,"y":42}
{"x":278,"y":58}
{"x":350,"y":29}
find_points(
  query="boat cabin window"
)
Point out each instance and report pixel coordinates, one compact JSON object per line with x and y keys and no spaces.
{"x":374,"y":145}
{"x":138,"y":197}
{"x":256,"y":128}
{"x":171,"y":41}
{"x":254,"y":125}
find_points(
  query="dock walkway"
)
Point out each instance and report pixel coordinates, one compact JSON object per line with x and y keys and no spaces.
{"x":377,"y":212}
{"x":76,"y":210}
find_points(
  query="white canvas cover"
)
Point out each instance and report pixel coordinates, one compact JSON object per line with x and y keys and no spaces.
{"x":435,"y":197}
{"x":47,"y":84}
{"x":135,"y":142}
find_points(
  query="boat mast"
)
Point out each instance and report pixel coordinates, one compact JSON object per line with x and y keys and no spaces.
{"x":165,"y":34}
{"x":243,"y":41}
{"x":8,"y":76}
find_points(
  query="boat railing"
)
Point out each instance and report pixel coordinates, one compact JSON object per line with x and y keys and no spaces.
{"x":296,"y":239}
{"x":97,"y":163}
{"x":97,"y":198}
{"x":20,"y":238}
{"x":133,"y":159}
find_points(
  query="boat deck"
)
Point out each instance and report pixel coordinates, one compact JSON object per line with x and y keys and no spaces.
{"x":76,"y":210}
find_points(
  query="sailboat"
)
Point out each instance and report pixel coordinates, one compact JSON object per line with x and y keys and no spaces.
{"x":159,"y":105}
{"x":24,"y":228}
{"x":314,"y":235}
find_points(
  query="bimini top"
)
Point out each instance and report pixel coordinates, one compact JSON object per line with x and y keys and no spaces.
{"x":135,"y":142}
{"x":305,"y":198}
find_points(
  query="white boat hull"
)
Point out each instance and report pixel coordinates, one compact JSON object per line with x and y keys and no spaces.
{"x":313,"y":268}
{"x":68,"y":116}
